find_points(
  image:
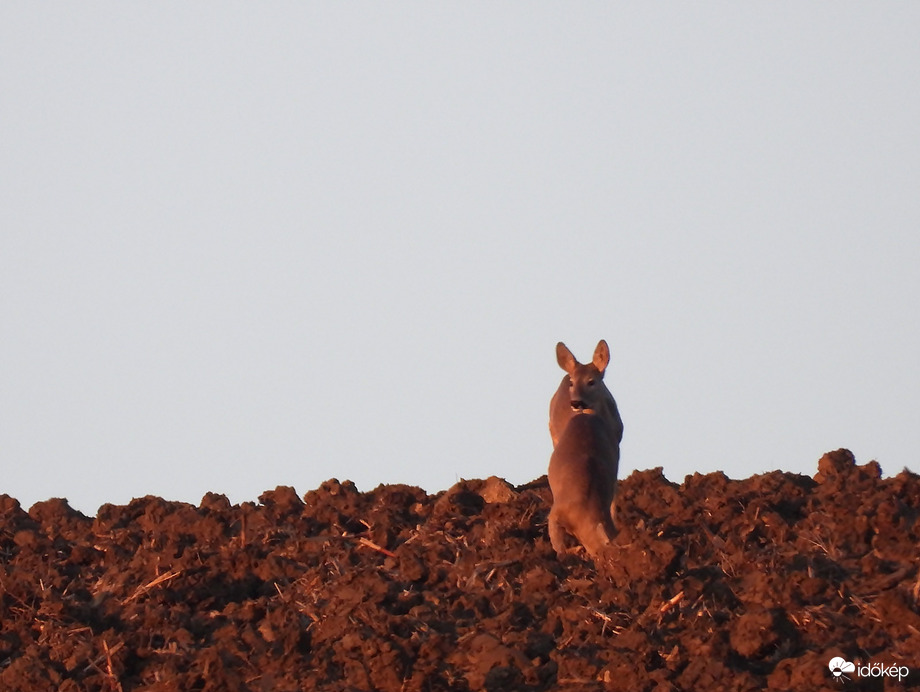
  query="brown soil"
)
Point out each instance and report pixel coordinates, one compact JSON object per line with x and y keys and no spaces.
{"x":714,"y":584}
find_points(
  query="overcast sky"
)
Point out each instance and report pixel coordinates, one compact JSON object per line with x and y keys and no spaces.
{"x":244,"y":245}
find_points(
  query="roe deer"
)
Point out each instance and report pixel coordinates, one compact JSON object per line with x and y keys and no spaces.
{"x":586,"y":429}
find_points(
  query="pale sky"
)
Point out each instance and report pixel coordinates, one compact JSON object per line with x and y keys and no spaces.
{"x":245,"y":245}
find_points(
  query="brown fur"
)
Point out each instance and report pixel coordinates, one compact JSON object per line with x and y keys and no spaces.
{"x":586,"y":429}
{"x":576,"y":385}
{"x":583,"y":482}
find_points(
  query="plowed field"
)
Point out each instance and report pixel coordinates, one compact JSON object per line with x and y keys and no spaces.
{"x":713,"y":584}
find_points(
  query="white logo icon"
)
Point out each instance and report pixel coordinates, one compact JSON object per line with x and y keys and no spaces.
{"x":839,"y":666}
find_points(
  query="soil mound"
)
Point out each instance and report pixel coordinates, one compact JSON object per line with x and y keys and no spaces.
{"x":714,"y":584}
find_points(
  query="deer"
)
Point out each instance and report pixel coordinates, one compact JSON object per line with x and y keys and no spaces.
{"x":586,"y":430}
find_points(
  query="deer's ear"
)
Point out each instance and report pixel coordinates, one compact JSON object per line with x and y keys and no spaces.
{"x":601,"y":356}
{"x":565,"y":358}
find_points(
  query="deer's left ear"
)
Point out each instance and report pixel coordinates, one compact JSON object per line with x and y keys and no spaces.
{"x":601,"y":356}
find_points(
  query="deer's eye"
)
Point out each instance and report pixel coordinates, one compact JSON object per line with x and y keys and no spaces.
{"x":590,"y":383}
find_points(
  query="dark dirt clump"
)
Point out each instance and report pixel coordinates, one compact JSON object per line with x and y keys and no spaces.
{"x":715,"y":584}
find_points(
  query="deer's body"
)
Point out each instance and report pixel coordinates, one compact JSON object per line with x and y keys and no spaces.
{"x":586,"y":429}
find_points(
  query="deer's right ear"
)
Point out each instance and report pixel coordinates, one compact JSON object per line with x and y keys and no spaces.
{"x":565,"y":358}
